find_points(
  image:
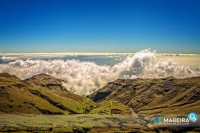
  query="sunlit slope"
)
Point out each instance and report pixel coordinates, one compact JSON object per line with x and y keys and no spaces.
{"x":79,"y":123}
{"x":41,"y":94}
{"x":111,"y":107}
{"x":150,"y":96}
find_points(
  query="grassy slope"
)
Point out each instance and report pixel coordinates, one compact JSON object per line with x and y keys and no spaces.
{"x":91,"y":123}
{"x":25,"y":97}
{"x":150,"y":96}
{"x":15,"y":103}
{"x":146,"y":97}
{"x":107,"y":106}
{"x":71,"y":123}
{"x":60,"y":99}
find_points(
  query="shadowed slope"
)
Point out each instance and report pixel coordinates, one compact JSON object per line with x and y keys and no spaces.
{"x":148,"y":96}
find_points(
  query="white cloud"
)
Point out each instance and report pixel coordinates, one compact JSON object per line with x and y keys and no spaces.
{"x":8,"y":58}
{"x":85,"y":77}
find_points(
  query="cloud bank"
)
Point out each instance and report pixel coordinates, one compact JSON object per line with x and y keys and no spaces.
{"x":85,"y":77}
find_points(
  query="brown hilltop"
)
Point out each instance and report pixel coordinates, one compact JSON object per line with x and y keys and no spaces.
{"x":7,"y":79}
{"x":45,"y":80}
{"x":40,"y":94}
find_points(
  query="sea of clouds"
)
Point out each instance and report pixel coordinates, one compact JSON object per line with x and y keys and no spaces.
{"x":85,"y":77}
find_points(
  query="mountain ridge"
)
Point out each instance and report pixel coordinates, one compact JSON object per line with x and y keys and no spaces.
{"x":150,"y":96}
{"x":40,"y":94}
{"x":143,"y":96}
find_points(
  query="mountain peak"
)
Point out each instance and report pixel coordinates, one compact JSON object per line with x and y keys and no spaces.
{"x":40,"y":94}
{"x":43,"y":79}
{"x":7,"y":75}
{"x":43,"y":75}
{"x":46,"y":80}
{"x":7,"y":79}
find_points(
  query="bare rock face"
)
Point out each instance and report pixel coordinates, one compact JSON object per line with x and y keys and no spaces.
{"x":150,"y":96}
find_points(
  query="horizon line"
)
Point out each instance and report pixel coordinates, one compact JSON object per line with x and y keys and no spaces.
{"x":89,"y":53}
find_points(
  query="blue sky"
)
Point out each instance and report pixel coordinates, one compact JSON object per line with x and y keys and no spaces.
{"x":169,"y":26}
